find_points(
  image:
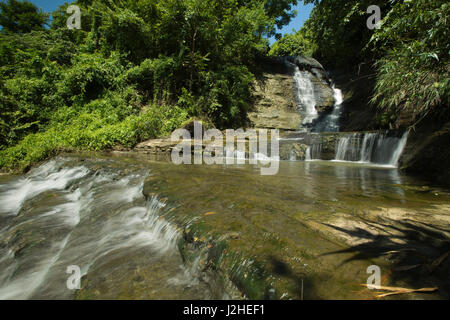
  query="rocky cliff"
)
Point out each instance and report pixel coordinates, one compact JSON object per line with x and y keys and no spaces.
{"x":275,"y":106}
{"x":427,"y":152}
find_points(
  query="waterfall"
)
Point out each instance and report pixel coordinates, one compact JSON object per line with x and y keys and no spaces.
{"x":377,"y":148}
{"x":330,"y":123}
{"x":338,"y":97}
{"x":348,"y":148}
{"x":304,"y":92}
{"x":372,"y":148}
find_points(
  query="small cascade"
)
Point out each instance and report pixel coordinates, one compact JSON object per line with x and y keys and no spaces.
{"x":39,"y":180}
{"x":372,"y":148}
{"x":86,"y":215}
{"x":348,"y":148}
{"x":377,"y":148}
{"x":338,"y":97}
{"x":330,"y":123}
{"x":313,"y":152}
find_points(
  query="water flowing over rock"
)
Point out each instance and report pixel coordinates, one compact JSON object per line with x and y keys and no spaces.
{"x":139,"y":228}
{"x":376,"y":148}
{"x":90,"y":214}
{"x":321,"y":104}
{"x":313,"y":93}
{"x":330,"y":122}
{"x":381,"y":148}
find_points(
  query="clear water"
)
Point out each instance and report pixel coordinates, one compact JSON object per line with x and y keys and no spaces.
{"x":66,"y":213}
{"x":90,"y":211}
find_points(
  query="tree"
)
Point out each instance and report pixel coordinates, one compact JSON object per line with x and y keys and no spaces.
{"x":414,"y":72}
{"x":21,"y":17}
{"x":292,"y":45}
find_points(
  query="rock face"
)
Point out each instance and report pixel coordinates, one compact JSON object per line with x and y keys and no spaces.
{"x":156,"y":146}
{"x":427,"y":152}
{"x":324,"y":96}
{"x":275,"y":106}
{"x":311,"y":65}
{"x":293,"y":151}
{"x":323,"y":145}
{"x":357,"y":88}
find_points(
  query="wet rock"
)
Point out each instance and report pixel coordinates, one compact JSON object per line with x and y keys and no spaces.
{"x":306,"y":63}
{"x":357,"y":86}
{"x":325,"y":109}
{"x":324,"y":94}
{"x":293,"y":151}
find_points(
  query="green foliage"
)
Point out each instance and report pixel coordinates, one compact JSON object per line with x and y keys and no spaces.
{"x":292,"y":45}
{"x":414,"y":74}
{"x":91,"y":131}
{"x":137,"y":69}
{"x":338,"y":30}
{"x":410,"y":52}
{"x":21,"y":16}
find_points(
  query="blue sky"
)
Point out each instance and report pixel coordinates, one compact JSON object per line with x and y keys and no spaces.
{"x":49,"y":5}
{"x":296,"y":23}
{"x":303,"y":12}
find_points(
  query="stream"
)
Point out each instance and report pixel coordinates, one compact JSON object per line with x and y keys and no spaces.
{"x":90,"y":211}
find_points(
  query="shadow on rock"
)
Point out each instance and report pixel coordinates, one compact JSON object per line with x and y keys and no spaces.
{"x":419,"y":253}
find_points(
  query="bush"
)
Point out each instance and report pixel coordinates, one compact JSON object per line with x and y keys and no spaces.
{"x":89,"y":131}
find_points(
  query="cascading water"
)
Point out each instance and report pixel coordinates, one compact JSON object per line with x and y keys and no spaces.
{"x":330,"y":123}
{"x":374,"y":148}
{"x":313,"y":152}
{"x":370,"y":148}
{"x":305,"y":94}
{"x":90,"y":215}
{"x":377,"y":148}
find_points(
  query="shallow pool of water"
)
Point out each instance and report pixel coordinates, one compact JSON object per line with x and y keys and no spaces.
{"x":307,"y":224}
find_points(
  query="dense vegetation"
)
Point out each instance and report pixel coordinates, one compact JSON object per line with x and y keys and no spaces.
{"x":137,"y":69}
{"x":409,"y":52}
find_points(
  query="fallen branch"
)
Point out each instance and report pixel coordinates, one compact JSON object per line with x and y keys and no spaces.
{"x":406,"y":291}
{"x":396,"y":290}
